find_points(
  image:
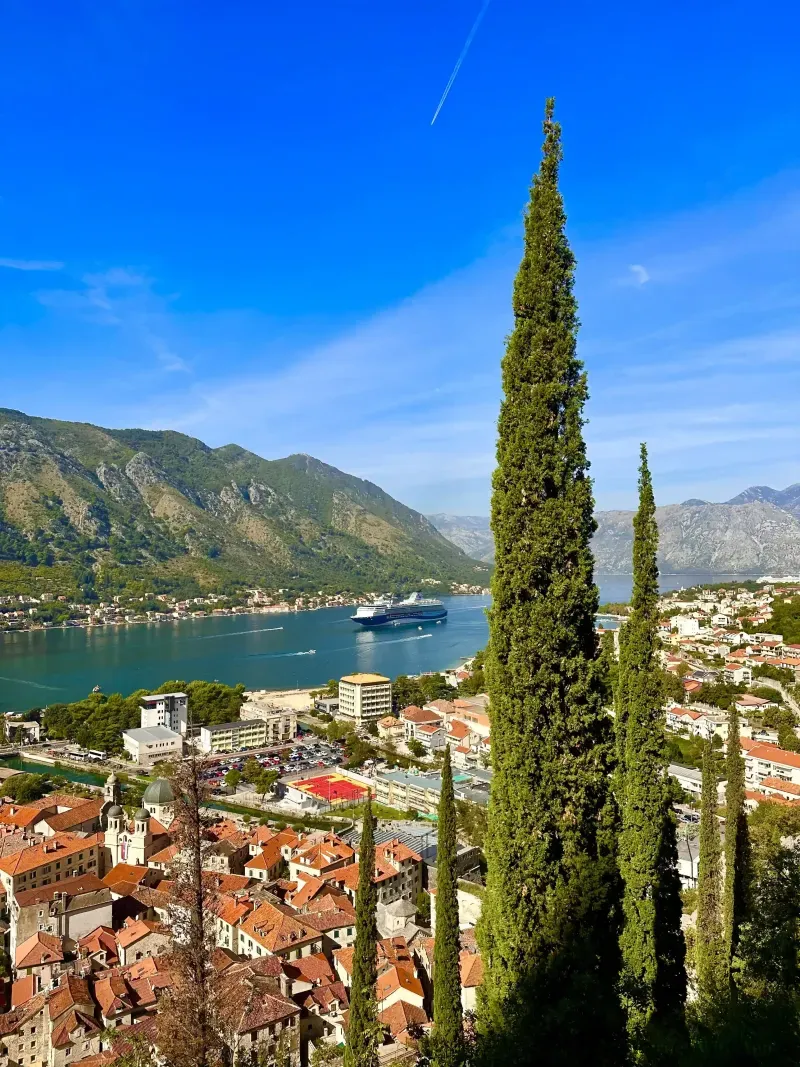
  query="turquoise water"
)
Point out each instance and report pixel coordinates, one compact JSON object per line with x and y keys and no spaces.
{"x":31,"y":767}
{"x":262,"y":651}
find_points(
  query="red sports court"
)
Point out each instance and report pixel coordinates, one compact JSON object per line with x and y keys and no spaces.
{"x":332,"y":787}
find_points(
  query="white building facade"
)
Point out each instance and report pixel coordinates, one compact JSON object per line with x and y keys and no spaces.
{"x":364,"y":697}
{"x":149,"y":744}
{"x":166,"y":709}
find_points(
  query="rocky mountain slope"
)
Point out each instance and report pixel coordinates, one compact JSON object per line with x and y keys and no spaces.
{"x":134,"y":504}
{"x":757,"y":531}
{"x":787,"y":499}
{"x":470,"y":532}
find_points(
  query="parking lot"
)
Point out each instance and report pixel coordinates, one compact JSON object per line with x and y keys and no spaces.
{"x":295,"y":759}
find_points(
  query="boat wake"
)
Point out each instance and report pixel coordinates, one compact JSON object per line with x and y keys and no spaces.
{"x":35,"y":685}
{"x":238,"y":633}
{"x":396,"y":640}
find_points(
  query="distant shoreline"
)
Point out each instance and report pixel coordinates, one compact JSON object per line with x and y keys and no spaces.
{"x":85,"y":624}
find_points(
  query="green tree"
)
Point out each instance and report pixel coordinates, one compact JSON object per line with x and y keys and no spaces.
{"x":737,"y":843}
{"x":233,"y":777}
{"x":251,"y":771}
{"x":266,"y":782}
{"x":26,"y":787}
{"x":709,"y":950}
{"x":416,"y":748}
{"x":653,"y":951}
{"x":424,"y":908}
{"x":448,"y":1027}
{"x":549,"y":930}
{"x":362,"y":1031}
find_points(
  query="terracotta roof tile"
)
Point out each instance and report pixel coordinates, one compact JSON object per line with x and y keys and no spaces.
{"x":38,"y":949}
{"x":276,"y":930}
{"x":56,"y":848}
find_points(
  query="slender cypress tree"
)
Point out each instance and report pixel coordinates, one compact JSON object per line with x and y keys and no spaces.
{"x":362,"y":1031}
{"x":712,"y":984}
{"x":448,"y":1028}
{"x":737,"y":843}
{"x":548,"y":934}
{"x":653,"y":951}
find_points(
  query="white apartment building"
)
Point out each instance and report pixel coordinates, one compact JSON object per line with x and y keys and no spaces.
{"x":152,"y":743}
{"x":248,"y":733}
{"x":768,"y":761}
{"x":166,"y":709}
{"x":686,"y":626}
{"x":688,"y":778}
{"x":737,"y":674}
{"x":364,"y":697}
{"x":281,"y":722}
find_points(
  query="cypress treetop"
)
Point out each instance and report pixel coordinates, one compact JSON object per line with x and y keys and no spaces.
{"x":447,"y":1016}
{"x":548,"y":931}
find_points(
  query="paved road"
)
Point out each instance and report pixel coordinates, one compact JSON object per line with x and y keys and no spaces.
{"x":770,"y":683}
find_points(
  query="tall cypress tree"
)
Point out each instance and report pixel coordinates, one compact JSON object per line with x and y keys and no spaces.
{"x":737,"y":843}
{"x":653,"y":951}
{"x":712,"y":984}
{"x":362,"y":1031}
{"x":447,"y":1017}
{"x":548,"y":933}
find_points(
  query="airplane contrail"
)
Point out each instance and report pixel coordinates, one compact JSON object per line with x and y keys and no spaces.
{"x":461,"y":58}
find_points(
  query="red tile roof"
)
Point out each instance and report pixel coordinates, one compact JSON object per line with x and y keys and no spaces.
{"x":135,"y":931}
{"x":471,"y":968}
{"x":276,"y":930}
{"x":101,"y":939}
{"x":778,"y":783}
{"x":414,"y":714}
{"x":89,"y":811}
{"x":56,"y":848}
{"x":397,"y":977}
{"x":400,"y":1017}
{"x":38,"y":949}
{"x":72,"y":887}
{"x":774,"y":754}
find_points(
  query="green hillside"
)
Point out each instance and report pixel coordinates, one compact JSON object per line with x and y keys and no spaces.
{"x":98,"y":510}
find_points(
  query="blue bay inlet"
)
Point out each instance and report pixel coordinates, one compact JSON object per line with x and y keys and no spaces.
{"x":262,"y":651}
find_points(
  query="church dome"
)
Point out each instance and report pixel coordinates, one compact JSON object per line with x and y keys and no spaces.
{"x":158,"y":792}
{"x":142,"y":815}
{"x":115,"y":812}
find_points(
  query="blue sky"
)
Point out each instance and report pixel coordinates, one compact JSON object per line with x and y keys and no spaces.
{"x":237,"y":221}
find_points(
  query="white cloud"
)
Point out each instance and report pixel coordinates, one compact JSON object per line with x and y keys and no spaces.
{"x":31,"y":264}
{"x":704,"y":365}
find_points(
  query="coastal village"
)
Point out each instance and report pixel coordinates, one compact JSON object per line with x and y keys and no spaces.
{"x":89,"y":895}
{"x":88,"y":886}
{"x":27,"y":612}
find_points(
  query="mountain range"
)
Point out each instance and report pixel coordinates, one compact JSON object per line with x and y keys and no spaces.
{"x":757,"y":531}
{"x":121,"y":507}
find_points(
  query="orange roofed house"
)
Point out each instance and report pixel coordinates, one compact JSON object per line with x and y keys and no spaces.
{"x":57,"y":859}
{"x":398,"y":873}
{"x":272,"y":930}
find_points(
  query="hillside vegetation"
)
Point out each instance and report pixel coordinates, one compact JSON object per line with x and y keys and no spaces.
{"x":90,"y":510}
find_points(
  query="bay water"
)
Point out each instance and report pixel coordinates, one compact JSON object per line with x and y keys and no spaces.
{"x":262,"y":651}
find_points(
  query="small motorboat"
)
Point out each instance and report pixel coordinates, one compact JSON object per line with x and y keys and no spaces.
{"x":97,"y":689}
